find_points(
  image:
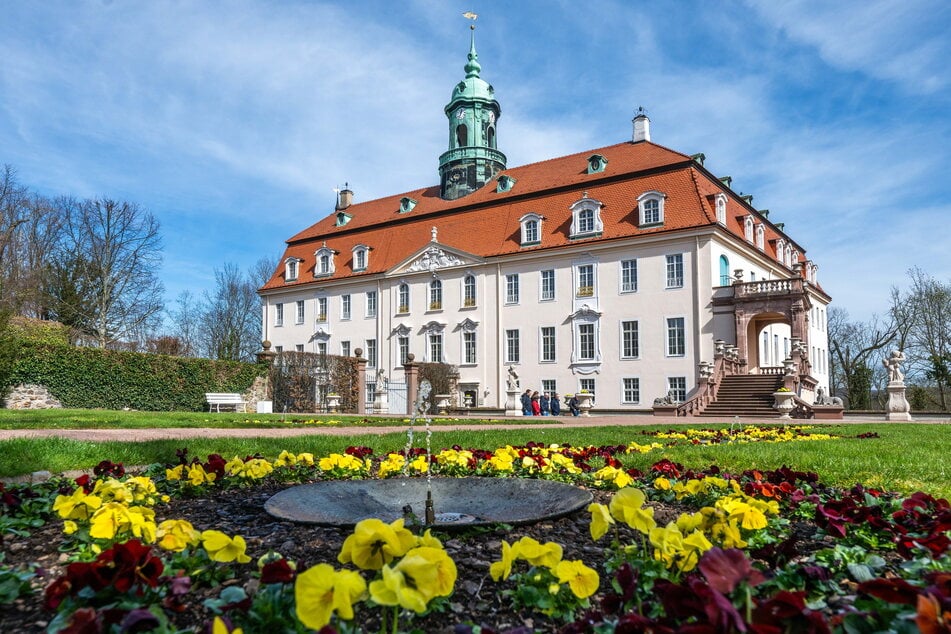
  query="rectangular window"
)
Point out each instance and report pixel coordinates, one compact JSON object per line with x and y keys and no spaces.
{"x":278,"y":314}
{"x":548,"y":343}
{"x":586,"y":342}
{"x":360,"y":258}
{"x":300,"y":311}
{"x":585,"y":280}
{"x":322,"y":348}
{"x":469,"y":291}
{"x":677,"y":387}
{"x":676,"y":337}
{"x":403,"y":299}
{"x":469,"y":347}
{"x":632,"y":391}
{"x":512,"y":352}
{"x":403,"y":344}
{"x":435,"y":348}
{"x":511,"y":289}
{"x":321,"y":309}
{"x":299,"y":347}
{"x":629,"y":276}
{"x":675,"y":270}
{"x":371,"y":353}
{"x":371,"y":303}
{"x":630,"y":346}
{"x":279,"y":349}
{"x":586,"y":385}
{"x":548,"y":285}
{"x":344,"y":348}
{"x":549,"y":386}
{"x":345,"y":306}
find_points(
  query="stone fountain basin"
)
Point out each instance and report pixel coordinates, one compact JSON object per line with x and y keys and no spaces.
{"x":461,"y":502}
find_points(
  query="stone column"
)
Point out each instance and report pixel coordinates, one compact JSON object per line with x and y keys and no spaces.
{"x":412,"y":381}
{"x":361,"y":381}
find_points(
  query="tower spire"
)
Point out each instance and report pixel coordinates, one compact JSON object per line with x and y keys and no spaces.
{"x":472,"y":66}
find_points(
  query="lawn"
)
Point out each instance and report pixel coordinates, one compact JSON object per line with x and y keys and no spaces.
{"x":903,"y":457}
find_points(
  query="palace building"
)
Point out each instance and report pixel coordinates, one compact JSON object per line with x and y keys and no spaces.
{"x":630,"y":271}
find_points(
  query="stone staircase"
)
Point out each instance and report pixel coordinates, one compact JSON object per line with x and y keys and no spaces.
{"x":745,"y":395}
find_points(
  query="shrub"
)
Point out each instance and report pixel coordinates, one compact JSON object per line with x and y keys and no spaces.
{"x":111,"y":379}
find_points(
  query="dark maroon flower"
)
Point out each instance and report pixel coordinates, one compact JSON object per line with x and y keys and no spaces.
{"x":725,"y":569}
{"x":56,"y":592}
{"x":138,"y":620}
{"x":278,"y":571}
{"x":891,"y":590}
{"x":788,"y":610}
{"x":83,"y":621}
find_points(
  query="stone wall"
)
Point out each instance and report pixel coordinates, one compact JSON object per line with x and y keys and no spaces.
{"x":257,"y":392}
{"x":29,"y":396}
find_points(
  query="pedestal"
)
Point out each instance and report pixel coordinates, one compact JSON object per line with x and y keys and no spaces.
{"x":512,"y":405}
{"x":898,"y":407}
{"x":585,"y":403}
{"x":265,"y":407}
{"x":783,"y":403}
{"x":381,"y":403}
{"x":333,"y":402}
{"x":442,"y":403}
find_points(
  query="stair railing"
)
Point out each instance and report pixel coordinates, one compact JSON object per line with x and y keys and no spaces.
{"x":726,"y":362}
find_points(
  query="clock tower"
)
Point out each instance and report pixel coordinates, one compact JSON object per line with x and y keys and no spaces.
{"x":472,"y":159}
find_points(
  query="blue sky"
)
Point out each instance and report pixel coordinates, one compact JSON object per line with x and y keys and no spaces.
{"x":233,"y":122}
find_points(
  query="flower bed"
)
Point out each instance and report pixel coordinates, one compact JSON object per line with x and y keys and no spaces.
{"x":187,"y":546}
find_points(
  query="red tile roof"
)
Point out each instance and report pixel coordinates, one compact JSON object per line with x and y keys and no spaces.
{"x":486,"y":223}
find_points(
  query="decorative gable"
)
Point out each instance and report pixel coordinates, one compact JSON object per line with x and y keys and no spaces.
{"x":435,"y":257}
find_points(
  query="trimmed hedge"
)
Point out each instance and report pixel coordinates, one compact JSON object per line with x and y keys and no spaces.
{"x":109,"y":379}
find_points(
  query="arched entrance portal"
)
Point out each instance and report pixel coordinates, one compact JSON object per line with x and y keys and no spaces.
{"x":769,"y":336}
{"x":769,"y":306}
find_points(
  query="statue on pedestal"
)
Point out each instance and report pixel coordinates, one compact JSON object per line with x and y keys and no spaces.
{"x":512,"y":381}
{"x":893,"y":365}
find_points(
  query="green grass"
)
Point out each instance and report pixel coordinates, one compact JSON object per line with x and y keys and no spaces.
{"x":109,"y":419}
{"x":906,"y":457}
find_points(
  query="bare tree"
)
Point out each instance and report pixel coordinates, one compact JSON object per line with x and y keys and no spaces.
{"x":230,"y":316}
{"x":929,"y":339}
{"x":186,"y":324}
{"x":115,"y":248}
{"x":852,"y":345}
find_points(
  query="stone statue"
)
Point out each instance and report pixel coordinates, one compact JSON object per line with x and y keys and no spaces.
{"x":381,"y":380}
{"x":820,"y":396}
{"x":666,"y":400}
{"x":893,"y":364}
{"x":512,"y":382}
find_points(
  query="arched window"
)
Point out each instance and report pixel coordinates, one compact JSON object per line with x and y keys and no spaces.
{"x":469,"y":291}
{"x":435,"y":295}
{"x":760,"y":236}
{"x":490,"y":136}
{"x":531,"y":228}
{"x":724,"y":271}
{"x":651,"y":208}
{"x":462,"y":135}
{"x":586,"y":218}
{"x":721,"y":209}
{"x":748,"y":228}
{"x":403,"y":298}
{"x":586,"y":221}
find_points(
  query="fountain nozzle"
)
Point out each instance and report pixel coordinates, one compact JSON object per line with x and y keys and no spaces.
{"x":430,"y":513}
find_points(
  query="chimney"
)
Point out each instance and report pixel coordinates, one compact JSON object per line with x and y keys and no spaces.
{"x":344,"y":197}
{"x":642,"y":127}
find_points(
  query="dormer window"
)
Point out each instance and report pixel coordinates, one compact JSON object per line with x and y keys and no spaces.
{"x":343,"y":218}
{"x":721,"y":208}
{"x":586,"y":218}
{"x":748,"y":227}
{"x":291,"y":266}
{"x":814,"y":273}
{"x":361,"y":254}
{"x":760,"y":236}
{"x":794,"y":258}
{"x":781,"y":250}
{"x":650,"y":207}
{"x":788,"y":255}
{"x":325,"y":261}
{"x":504,"y":184}
{"x":407,"y":204}
{"x":596,"y":164}
{"x":531,"y":229}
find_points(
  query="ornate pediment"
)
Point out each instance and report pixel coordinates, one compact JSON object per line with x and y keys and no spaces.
{"x":585,"y":313}
{"x":402,"y":330}
{"x":434,"y":257}
{"x":468,"y":325}
{"x":320,"y":335}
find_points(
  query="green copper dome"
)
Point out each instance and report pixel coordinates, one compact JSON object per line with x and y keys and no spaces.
{"x":473,"y":87}
{"x":472,"y":159}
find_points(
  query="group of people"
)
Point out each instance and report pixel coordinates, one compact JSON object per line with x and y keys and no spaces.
{"x":535,"y":404}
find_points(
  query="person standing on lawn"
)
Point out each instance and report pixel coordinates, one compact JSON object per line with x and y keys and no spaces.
{"x":555,"y":404}
{"x":527,"y":403}
{"x":536,"y":406}
{"x":543,"y":404}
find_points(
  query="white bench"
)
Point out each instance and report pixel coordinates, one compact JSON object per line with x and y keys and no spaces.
{"x":217,"y":400}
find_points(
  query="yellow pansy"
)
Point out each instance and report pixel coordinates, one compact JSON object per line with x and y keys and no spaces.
{"x":224,"y":549}
{"x":421,"y":575}
{"x":219,"y":627}
{"x":582,"y":580}
{"x":374,"y":543}
{"x":320,"y":591}
{"x":627,"y":506}
{"x":601,"y":520}
{"x":70,"y":527}
{"x":77,"y":506}
{"x":177,"y":535}
{"x":500,"y":570}
{"x":174,"y":474}
{"x":538,"y":554}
